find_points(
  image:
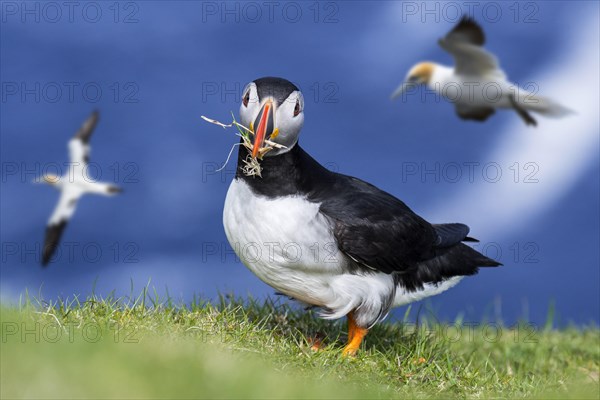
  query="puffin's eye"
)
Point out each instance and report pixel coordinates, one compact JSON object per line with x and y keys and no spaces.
{"x":297,"y":108}
{"x":246,"y":99}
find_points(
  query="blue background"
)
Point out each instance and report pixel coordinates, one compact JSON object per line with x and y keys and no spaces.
{"x":160,"y":65}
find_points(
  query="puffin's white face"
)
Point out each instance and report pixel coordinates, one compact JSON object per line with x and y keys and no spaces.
{"x":272,"y":115}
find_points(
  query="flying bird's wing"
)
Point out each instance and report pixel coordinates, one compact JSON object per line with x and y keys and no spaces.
{"x":87,"y":128}
{"x":465,"y":44}
{"x":58,"y":221}
{"x":79,"y":148}
{"x":467,"y":31}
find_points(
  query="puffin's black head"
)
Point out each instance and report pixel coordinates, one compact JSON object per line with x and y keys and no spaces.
{"x":274,"y":109}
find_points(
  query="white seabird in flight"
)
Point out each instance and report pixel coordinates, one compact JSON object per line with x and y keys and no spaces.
{"x":72,"y":186}
{"x":476,"y":84}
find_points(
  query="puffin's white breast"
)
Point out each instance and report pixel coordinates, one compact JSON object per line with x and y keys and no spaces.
{"x":285,"y":241}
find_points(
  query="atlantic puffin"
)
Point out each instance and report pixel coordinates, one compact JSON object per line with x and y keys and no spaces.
{"x":331,"y":240}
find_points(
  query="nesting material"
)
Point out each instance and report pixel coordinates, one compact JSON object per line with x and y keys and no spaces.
{"x":252,"y":165}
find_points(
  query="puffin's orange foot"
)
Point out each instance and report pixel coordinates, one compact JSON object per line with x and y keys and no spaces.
{"x":349,"y":351}
{"x":355,"y":337}
{"x":316,"y":342}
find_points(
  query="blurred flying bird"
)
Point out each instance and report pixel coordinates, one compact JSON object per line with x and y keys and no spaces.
{"x":72,"y":186}
{"x":326,"y":239}
{"x":476,"y":85}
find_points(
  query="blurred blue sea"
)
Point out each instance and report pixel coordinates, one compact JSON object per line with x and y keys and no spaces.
{"x":153,"y":67}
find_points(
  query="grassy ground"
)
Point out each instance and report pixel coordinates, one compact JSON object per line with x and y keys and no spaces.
{"x":105,"y":349}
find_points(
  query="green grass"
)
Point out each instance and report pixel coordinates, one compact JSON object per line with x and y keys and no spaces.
{"x":106,"y":348}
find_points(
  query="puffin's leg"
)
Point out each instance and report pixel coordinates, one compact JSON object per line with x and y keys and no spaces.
{"x":351,"y":327}
{"x":355,"y":336}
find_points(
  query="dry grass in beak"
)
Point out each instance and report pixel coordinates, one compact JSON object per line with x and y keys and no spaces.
{"x":251,"y":164}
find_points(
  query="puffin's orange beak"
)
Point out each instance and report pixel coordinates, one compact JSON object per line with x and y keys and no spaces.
{"x":265,"y":123}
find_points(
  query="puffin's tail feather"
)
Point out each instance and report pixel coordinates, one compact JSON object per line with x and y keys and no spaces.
{"x":458,"y":260}
{"x":451,"y":234}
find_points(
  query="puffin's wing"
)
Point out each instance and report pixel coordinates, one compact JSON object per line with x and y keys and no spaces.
{"x":377,"y":230}
{"x":79,"y":148}
{"x":451,"y":234}
{"x":380,"y":232}
{"x":465,"y":44}
{"x":58,"y":221}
